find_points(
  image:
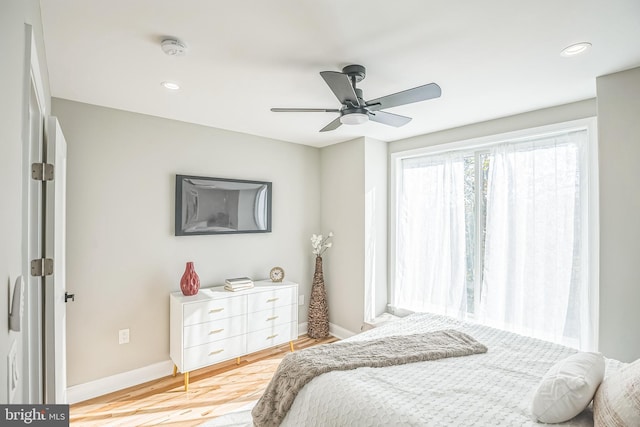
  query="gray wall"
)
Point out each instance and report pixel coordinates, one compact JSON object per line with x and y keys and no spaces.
{"x":619,"y":154}
{"x":354,"y":206}
{"x":13,"y":16}
{"x":342,"y":211}
{"x":123,"y":259}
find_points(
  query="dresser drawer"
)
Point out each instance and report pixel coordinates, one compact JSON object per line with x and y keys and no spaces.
{"x":277,"y":334}
{"x":274,"y":316}
{"x":206,"y":311}
{"x":218,"y":351}
{"x":216,"y":330}
{"x":272,"y":298}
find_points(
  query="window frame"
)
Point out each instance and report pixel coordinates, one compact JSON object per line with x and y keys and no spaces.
{"x":590,"y":215}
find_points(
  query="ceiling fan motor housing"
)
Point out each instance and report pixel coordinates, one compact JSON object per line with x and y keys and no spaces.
{"x":356,"y":113}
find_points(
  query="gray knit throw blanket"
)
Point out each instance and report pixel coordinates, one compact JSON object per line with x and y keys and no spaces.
{"x":300,"y":367}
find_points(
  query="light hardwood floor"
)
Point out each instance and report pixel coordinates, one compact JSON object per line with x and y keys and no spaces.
{"x":213,"y":391}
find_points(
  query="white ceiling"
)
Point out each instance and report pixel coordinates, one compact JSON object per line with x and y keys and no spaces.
{"x":492,"y":58}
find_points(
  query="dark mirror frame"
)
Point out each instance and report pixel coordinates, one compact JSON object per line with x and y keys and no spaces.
{"x":212,"y":221}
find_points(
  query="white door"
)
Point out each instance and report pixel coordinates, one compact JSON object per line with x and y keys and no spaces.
{"x":55,"y":378}
{"x":31,"y":373}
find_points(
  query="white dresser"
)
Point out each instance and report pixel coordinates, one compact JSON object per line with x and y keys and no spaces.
{"x":217,"y":325}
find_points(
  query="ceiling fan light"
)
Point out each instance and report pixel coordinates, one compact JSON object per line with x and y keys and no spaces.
{"x":354,"y":118}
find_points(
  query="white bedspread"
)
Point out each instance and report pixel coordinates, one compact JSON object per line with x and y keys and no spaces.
{"x":492,"y":389}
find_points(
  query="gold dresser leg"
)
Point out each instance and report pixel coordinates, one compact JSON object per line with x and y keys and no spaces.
{"x":186,"y":381}
{"x":291,"y":346}
{"x":237,"y":360}
{"x":175,"y":370}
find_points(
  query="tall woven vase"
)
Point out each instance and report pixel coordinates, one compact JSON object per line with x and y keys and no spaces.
{"x":318,"y":325}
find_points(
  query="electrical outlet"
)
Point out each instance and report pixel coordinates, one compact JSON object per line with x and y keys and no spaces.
{"x":123,"y":336}
{"x":300,"y":299}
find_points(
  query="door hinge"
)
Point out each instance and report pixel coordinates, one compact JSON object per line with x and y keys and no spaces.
{"x":42,"y":171}
{"x":42,"y":267}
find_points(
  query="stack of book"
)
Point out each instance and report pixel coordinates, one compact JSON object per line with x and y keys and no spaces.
{"x":238,"y":284}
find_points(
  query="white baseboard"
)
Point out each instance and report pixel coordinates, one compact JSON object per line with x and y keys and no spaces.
{"x":340,"y":332}
{"x":81,"y":392}
{"x":334,"y":330}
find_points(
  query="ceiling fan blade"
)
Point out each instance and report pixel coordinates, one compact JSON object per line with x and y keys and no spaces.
{"x":389,"y":118}
{"x":409,"y":96}
{"x":332,"y":126}
{"x":305,"y":110}
{"x":341,"y":86}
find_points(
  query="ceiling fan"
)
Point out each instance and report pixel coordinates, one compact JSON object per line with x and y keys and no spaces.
{"x":355,"y":110}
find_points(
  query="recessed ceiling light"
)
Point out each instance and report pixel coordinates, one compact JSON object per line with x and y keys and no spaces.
{"x":575,"y":49}
{"x":171,"y":85}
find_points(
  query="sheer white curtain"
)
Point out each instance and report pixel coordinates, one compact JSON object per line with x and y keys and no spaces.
{"x":430,"y":258}
{"x":534,"y":250}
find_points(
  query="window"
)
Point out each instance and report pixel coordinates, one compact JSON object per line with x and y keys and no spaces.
{"x":498,"y":231}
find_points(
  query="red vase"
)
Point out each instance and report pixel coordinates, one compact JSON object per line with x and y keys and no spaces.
{"x":190,"y":282}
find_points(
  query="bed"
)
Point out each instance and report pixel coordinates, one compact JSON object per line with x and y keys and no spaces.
{"x":490,"y":389}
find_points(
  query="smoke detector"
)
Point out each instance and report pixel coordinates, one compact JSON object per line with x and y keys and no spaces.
{"x":173,"y":47}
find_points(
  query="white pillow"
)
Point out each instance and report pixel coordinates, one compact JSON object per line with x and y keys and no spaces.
{"x":617,"y":402}
{"x":568,"y":387}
